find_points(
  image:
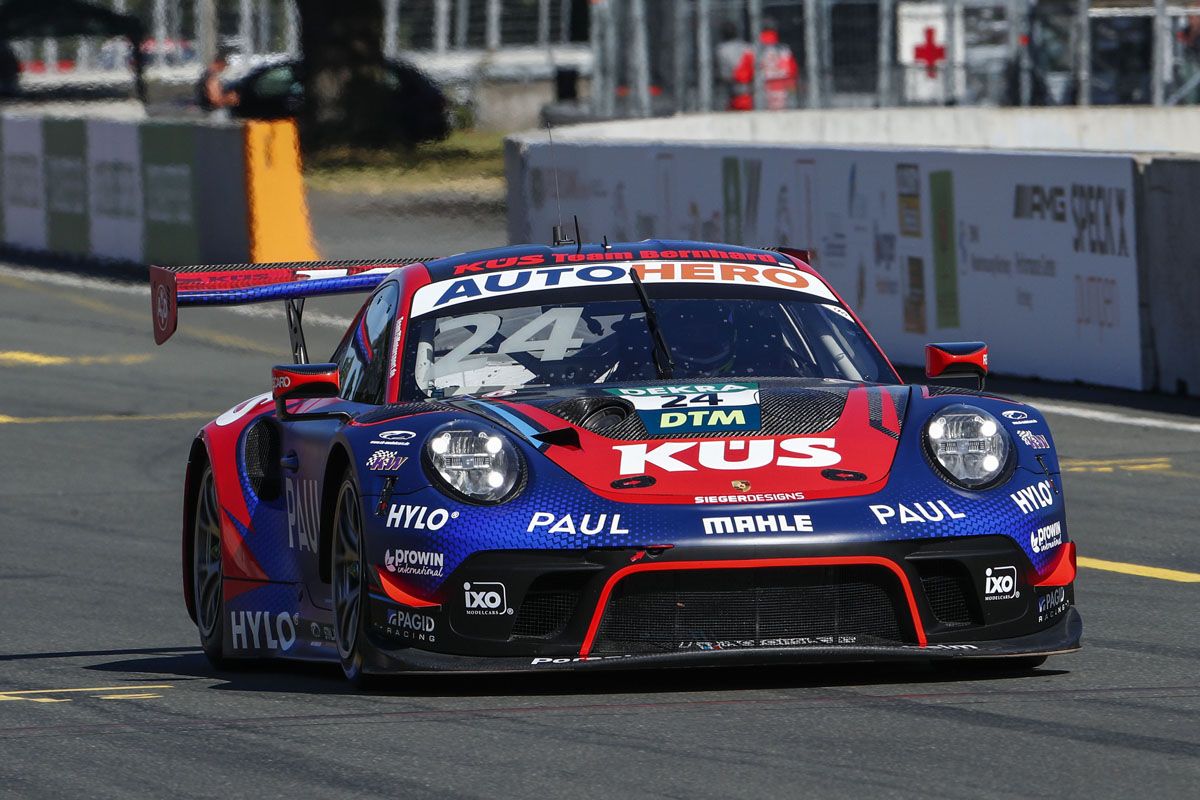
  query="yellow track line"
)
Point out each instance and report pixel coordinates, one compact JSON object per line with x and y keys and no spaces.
{"x":25,"y":692}
{"x":1137,"y":569}
{"x":6,"y":420}
{"x":23,"y":358}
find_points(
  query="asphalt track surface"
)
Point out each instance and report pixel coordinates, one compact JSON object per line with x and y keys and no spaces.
{"x":104,"y":693}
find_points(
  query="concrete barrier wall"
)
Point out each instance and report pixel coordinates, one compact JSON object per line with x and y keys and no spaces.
{"x":1117,"y":129}
{"x":1035,"y":253}
{"x":152,"y":191}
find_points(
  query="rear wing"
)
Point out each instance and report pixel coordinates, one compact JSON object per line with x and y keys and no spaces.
{"x":240,"y":284}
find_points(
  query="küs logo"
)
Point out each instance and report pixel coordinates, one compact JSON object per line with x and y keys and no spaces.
{"x":1000,"y":583}
{"x":485,"y":598}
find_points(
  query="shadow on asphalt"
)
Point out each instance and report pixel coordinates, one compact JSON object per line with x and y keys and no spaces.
{"x":326,"y":679}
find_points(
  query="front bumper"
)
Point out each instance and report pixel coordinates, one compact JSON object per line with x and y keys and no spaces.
{"x":707,"y":605}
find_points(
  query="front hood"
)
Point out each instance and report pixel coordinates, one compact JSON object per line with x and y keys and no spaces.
{"x":722,"y":442}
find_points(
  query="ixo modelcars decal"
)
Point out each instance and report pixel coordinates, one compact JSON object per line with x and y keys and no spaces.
{"x":695,"y":407}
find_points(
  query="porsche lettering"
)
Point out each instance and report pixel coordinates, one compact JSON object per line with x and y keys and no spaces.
{"x":733,"y":454}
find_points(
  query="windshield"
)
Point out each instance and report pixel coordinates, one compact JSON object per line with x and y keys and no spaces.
{"x":606,"y":340}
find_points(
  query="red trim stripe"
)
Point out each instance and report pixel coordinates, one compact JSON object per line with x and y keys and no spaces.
{"x":1063,"y":570}
{"x":654,"y":566}
{"x":394,"y":590}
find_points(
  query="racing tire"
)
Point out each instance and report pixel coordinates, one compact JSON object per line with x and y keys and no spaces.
{"x":349,"y":582}
{"x":207,"y":590}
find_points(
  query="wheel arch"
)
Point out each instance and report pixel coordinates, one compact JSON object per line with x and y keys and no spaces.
{"x":198,"y":457}
{"x":335,"y":466}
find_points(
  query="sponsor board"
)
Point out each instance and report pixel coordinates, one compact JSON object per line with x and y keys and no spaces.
{"x":262,"y":630}
{"x":1000,"y":583}
{"x":932,"y":511}
{"x":418,"y":518}
{"x":586,"y":524}
{"x":414,"y":562}
{"x":446,"y":294}
{"x":695,"y":408}
{"x":758,"y":523}
{"x":732,"y":454}
{"x":1046,"y":538}
{"x":1034,"y":498}
{"x":486,"y":599}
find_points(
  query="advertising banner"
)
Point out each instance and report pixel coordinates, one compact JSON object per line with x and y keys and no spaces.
{"x":169,"y":189}
{"x":24,"y":183}
{"x":114,"y":168}
{"x":67,"y":227}
{"x":1034,"y":253}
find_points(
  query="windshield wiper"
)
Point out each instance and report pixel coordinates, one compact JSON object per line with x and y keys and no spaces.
{"x":663,"y":364}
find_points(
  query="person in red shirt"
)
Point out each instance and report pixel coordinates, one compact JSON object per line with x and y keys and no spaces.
{"x":780,"y":71}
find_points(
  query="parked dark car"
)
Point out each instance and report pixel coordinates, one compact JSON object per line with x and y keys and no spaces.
{"x":276,"y":91}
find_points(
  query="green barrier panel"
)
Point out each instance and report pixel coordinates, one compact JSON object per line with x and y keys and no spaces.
{"x":945,"y":255}
{"x":169,"y":188}
{"x":64,"y":149}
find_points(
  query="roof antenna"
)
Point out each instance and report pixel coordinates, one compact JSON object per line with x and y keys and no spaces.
{"x":578,"y":238}
{"x":557,"y":233}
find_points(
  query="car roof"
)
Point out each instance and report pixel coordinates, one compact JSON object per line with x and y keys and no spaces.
{"x":533,"y":255}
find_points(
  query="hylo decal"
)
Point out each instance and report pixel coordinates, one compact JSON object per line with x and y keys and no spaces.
{"x":419,"y":518}
{"x":1033,"y":498}
{"x":256,"y":630}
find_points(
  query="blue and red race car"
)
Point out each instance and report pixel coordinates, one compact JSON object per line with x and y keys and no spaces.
{"x":661,"y":453}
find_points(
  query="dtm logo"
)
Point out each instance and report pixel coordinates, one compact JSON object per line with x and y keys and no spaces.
{"x":486,"y":598}
{"x":1000,"y":583}
{"x":1033,"y":498}
{"x":739,"y":454}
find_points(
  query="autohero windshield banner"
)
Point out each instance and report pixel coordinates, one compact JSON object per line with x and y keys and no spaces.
{"x":445,"y":294}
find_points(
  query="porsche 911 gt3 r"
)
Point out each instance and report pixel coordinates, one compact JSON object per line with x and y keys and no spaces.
{"x":651,"y":454}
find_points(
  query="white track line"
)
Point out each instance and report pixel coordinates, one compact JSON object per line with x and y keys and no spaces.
{"x":71,"y":281}
{"x":1114,"y":417}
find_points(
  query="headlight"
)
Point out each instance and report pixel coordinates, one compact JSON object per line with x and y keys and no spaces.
{"x":969,"y":445}
{"x":478,"y":464}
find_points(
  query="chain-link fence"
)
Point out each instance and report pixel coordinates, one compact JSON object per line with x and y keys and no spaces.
{"x":663,"y":56}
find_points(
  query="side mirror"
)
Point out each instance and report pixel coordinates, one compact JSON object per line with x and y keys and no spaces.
{"x":302,"y":382}
{"x":956,"y":359}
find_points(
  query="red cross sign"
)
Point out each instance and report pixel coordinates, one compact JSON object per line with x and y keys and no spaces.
{"x":929,"y":53}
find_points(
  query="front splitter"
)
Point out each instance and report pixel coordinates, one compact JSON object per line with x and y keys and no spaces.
{"x":1061,"y":638}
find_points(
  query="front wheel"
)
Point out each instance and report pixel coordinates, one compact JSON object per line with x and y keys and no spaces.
{"x":207,"y":593}
{"x":349,"y":578}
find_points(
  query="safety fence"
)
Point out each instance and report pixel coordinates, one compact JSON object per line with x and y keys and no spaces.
{"x":147,"y":191}
{"x":1064,"y":262}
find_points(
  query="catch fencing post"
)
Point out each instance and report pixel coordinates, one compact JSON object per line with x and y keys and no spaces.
{"x":391,"y":27}
{"x":160,"y":32}
{"x":462,"y":17}
{"x":1083,"y":53}
{"x":812,"y":55}
{"x":492,"y":31}
{"x":206,"y":30}
{"x":754,"y":7}
{"x":704,"y":66}
{"x":441,"y":26}
{"x":245,"y":28}
{"x":950,"y":76}
{"x":640,"y":57}
{"x":1162,"y":41}
{"x":887,"y":18}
